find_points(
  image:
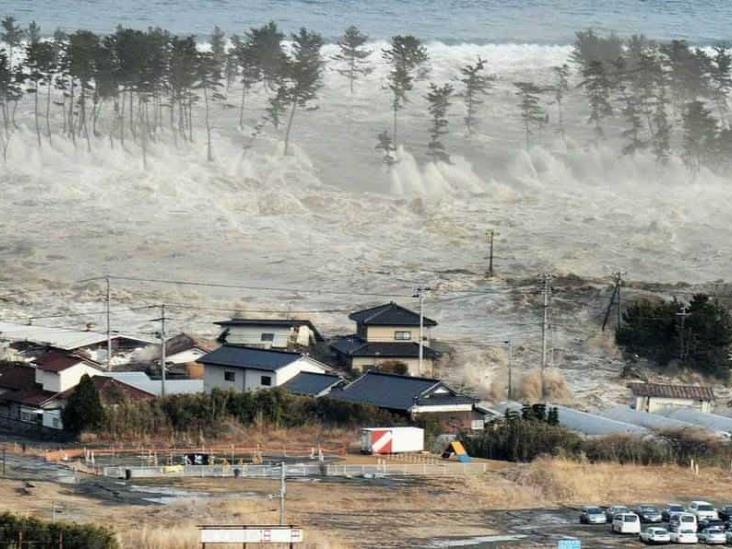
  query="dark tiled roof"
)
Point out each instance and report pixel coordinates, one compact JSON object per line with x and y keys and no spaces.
{"x":16,"y":376}
{"x":354,"y":346}
{"x":240,"y":356}
{"x":389,"y":314}
{"x":58,"y":361}
{"x":271,"y":322}
{"x":312,"y":384}
{"x":693,"y":392}
{"x":397,"y":392}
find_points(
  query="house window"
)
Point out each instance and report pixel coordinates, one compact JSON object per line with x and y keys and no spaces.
{"x":229,"y":376}
{"x":402,"y":335}
{"x":266,"y":381}
{"x":267,"y":337}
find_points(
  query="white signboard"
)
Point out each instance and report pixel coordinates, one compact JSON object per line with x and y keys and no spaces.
{"x":254,"y":534}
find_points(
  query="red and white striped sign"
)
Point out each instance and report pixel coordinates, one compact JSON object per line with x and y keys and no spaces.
{"x":381,"y":442}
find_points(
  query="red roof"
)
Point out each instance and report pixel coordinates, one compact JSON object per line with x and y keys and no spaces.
{"x":56,"y":361}
{"x":33,"y":396}
{"x":110,"y":390}
{"x":16,"y":376}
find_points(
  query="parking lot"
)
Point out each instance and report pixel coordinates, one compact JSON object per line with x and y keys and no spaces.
{"x":545,"y":527}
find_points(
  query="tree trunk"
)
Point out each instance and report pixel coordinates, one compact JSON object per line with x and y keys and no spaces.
{"x":35,"y":115}
{"x":71,"y":129}
{"x":48,"y":112}
{"x":209,"y":154}
{"x":241,"y":106}
{"x":289,"y":127}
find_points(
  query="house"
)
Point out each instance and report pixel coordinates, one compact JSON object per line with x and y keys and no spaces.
{"x":245,"y":368}
{"x":652,"y":397}
{"x":186,"y":349}
{"x":415,"y":397}
{"x":312,"y":384}
{"x":25,"y":398}
{"x":40,"y":338}
{"x":387,"y":336}
{"x":270,"y":333}
{"x":57,"y":372}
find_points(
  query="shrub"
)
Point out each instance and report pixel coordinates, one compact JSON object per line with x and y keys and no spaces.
{"x":38,"y":533}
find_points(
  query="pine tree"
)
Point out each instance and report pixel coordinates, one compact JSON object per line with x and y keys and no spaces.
{"x":476,"y":85}
{"x":532,"y":115}
{"x":386,"y":146}
{"x":39,"y":59}
{"x":83,"y":410}
{"x":353,"y":55}
{"x":597,"y":88}
{"x":721,"y":74}
{"x":266,"y":48}
{"x":632,"y":115}
{"x":12,"y":34}
{"x":439,"y":102}
{"x":82,"y":52}
{"x":700,"y":132}
{"x":661,"y":141}
{"x":303,"y":74}
{"x":406,"y":54}
{"x":560,"y":89}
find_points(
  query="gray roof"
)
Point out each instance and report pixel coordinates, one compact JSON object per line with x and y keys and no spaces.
{"x":354,"y":346}
{"x":172,"y":386}
{"x":241,"y":356}
{"x":397,"y":392}
{"x":389,"y":314}
{"x":60,"y":338}
{"x":312,"y":384}
{"x":271,"y":322}
{"x":713,"y":422}
{"x":666,"y":390}
{"x":581,"y":422}
{"x":644,"y":419}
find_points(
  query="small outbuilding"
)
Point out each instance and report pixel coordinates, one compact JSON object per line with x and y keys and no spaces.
{"x":652,"y":397}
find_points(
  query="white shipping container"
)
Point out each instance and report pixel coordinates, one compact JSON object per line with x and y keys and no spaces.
{"x":392,"y":440}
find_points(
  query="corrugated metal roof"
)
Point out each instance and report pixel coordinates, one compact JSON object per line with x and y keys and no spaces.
{"x":581,"y":422}
{"x":60,"y":338}
{"x":644,"y":419}
{"x":719,"y":424}
{"x":389,"y":314}
{"x":172,"y":386}
{"x":662,"y":390}
{"x":397,"y":392}
{"x":312,"y":384}
{"x":240,"y":356}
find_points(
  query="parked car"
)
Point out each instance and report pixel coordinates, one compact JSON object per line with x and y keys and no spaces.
{"x":593,"y":515}
{"x":712,"y":536}
{"x":684,"y":535}
{"x":683,"y":521}
{"x":725,"y":512}
{"x":703,"y":510}
{"x":626,"y":523}
{"x":729,"y":536}
{"x":670,"y":509}
{"x":655,"y":535}
{"x":613,"y":510}
{"x":710,"y":523}
{"x":649,"y":513}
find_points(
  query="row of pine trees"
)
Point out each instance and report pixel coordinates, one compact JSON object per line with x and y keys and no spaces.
{"x":135,"y":86}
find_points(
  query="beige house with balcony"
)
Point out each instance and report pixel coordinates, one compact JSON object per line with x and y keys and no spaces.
{"x":387,"y":336}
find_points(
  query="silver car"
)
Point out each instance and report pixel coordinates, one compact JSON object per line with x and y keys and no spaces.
{"x":712,"y":536}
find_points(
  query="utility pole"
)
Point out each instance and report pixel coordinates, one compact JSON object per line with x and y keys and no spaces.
{"x":682,"y":314}
{"x":491,"y":234}
{"x":162,"y":349}
{"x":615,"y":299}
{"x":109,"y":326}
{"x":283,"y":491}
{"x":420,"y":293}
{"x":546,"y":289}
{"x":510,"y":367}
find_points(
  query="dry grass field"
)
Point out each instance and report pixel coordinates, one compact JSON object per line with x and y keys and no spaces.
{"x":340,"y":514}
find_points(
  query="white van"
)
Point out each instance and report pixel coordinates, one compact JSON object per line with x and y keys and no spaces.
{"x":703,"y":510}
{"x":686,"y":521}
{"x":626,"y":523}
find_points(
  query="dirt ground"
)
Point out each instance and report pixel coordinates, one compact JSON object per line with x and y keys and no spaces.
{"x":510,"y":505}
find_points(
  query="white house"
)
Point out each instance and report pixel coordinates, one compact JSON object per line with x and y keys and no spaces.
{"x":57,"y":372}
{"x":652,"y":397}
{"x":245,"y":368}
{"x":269,"y":333}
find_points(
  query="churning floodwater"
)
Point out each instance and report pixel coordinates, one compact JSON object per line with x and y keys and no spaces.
{"x":449,"y":21}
